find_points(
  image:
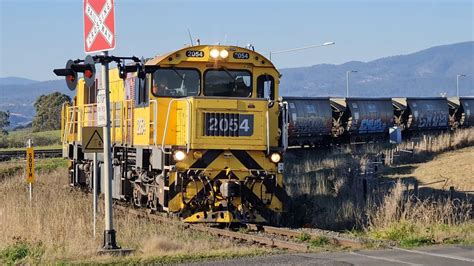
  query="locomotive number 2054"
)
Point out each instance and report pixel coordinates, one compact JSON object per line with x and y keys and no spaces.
{"x":230,"y":125}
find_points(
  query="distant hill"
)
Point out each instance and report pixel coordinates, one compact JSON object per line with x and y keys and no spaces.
{"x":16,"y":81}
{"x":18,"y":96}
{"x":425,"y":73}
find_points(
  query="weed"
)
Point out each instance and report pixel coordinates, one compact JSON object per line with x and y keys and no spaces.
{"x":319,"y":241}
{"x":243,"y":230}
{"x":416,"y":241}
{"x":304,"y":237}
{"x":21,"y":251}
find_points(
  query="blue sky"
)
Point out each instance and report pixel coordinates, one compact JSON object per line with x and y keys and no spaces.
{"x":37,"y":36}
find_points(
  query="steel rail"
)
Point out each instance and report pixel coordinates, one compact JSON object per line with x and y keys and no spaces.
{"x":292,"y":233}
{"x":262,"y":240}
{"x":48,"y":153}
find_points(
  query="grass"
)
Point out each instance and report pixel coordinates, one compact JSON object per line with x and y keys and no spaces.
{"x":41,"y":140}
{"x":17,"y":167}
{"x":412,"y":224}
{"x":57,"y":228}
{"x":327,"y":192}
{"x":450,"y":166}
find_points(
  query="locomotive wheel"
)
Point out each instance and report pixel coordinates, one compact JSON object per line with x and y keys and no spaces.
{"x":152,"y":202}
{"x":138,"y":198}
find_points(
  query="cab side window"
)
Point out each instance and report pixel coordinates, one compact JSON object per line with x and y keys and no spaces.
{"x":141,"y":92}
{"x":266,"y":87}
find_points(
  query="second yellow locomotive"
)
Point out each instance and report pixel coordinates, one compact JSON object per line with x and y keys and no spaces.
{"x":200,"y":136}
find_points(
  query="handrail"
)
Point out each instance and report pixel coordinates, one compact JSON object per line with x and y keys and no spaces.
{"x":166,"y":126}
{"x":72,"y":119}
{"x":64,"y":123}
{"x":155,"y":114}
{"x":285,"y":117}
{"x":268,"y":133}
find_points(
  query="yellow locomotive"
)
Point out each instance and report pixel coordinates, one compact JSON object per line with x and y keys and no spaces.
{"x":201,"y":135}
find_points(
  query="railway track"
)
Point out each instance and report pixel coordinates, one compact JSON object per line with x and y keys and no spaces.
{"x":18,"y":154}
{"x":272,"y":237}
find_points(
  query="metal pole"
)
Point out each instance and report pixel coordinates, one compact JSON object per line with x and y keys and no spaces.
{"x":457,"y":86}
{"x":95,"y":191}
{"x":347,"y":84}
{"x":30,"y":186}
{"x":109,"y":232}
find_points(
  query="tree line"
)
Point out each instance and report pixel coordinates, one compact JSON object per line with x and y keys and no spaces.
{"x":47,"y":116}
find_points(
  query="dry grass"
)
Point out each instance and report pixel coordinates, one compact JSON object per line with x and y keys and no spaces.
{"x":326,"y":186}
{"x":57,"y":226}
{"x":413,"y":223}
{"x":454,"y":167}
{"x":444,"y":142}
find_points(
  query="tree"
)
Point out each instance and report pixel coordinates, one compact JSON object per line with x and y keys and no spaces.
{"x":4,"y":121}
{"x":48,"y":111}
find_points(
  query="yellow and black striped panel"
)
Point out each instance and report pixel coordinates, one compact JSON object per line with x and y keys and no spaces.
{"x":260,"y":185}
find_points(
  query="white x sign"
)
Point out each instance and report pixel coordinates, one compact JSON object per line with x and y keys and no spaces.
{"x":99,"y":23}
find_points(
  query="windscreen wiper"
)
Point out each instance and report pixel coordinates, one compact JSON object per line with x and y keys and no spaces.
{"x":177,"y":73}
{"x":229,"y":74}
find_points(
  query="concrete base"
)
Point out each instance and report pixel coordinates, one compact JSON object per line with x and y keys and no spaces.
{"x":116,"y":252}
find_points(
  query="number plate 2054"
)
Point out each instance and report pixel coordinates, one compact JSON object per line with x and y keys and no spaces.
{"x":228,"y":125}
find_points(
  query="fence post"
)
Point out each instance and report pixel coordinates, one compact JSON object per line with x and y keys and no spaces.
{"x":407,"y":184}
{"x":415,"y":190}
{"x":364,"y":188}
{"x":451,"y":193}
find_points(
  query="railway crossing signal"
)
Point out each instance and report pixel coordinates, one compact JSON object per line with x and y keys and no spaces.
{"x":87,"y":67}
{"x":99,"y":25}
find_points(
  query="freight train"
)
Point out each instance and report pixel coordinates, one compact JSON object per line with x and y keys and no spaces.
{"x":201,"y":132}
{"x":328,"y":121}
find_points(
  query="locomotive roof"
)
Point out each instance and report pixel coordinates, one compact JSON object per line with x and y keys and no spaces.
{"x":178,"y":56}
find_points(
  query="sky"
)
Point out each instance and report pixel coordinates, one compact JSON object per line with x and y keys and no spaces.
{"x":37,"y":36}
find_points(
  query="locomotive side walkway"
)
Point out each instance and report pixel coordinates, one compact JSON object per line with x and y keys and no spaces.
{"x":440,"y":255}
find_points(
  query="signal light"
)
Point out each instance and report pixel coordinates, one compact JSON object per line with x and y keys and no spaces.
{"x":72,"y":68}
{"x":88,"y":73}
{"x":69,"y":74}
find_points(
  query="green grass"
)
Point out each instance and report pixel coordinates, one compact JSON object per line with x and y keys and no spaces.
{"x":304,"y":237}
{"x":22,"y":252}
{"x":319,"y":241}
{"x":41,"y":140}
{"x":407,"y":234}
{"x":10,"y":168}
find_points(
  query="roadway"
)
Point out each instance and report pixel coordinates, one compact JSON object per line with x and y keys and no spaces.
{"x":438,"y":255}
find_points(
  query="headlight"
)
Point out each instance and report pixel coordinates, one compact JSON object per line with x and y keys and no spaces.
{"x":275,"y":157}
{"x":179,"y":155}
{"x":224,"y":53}
{"x":214,"y":53}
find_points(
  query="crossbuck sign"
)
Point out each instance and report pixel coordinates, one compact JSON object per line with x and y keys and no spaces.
{"x":99,"y":25}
